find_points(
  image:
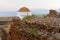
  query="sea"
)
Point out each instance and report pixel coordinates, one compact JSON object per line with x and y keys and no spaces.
{"x":8,"y":13}
{"x":34,"y":11}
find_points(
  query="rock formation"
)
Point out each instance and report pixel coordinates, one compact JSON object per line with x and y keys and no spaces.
{"x":53,"y":13}
{"x":35,"y":29}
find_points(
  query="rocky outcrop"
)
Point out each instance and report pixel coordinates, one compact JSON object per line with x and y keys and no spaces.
{"x":30,"y":30}
{"x":36,"y":29}
{"x":53,"y":13}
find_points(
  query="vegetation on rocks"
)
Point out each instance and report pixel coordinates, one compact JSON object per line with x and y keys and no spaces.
{"x":28,"y":17}
{"x":29,"y":30}
{"x":35,"y":28}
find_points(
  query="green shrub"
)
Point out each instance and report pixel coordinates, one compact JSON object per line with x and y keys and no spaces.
{"x":28,"y":17}
{"x":44,"y":16}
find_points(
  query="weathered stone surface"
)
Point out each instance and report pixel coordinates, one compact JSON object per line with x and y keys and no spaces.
{"x":36,"y":29}
{"x":53,"y":13}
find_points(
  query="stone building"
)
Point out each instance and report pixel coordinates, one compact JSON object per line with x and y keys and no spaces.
{"x":24,"y":11}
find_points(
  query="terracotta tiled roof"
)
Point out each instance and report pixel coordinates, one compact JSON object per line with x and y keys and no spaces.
{"x":23,"y":9}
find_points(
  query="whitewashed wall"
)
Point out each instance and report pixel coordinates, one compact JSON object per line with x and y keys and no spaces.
{"x":23,"y":14}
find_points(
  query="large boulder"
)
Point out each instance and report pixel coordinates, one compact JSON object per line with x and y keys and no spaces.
{"x":52,"y":13}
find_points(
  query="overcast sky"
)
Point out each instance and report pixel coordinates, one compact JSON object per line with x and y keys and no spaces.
{"x":31,"y":4}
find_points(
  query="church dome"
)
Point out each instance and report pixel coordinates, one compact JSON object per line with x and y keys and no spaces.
{"x":23,"y":9}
